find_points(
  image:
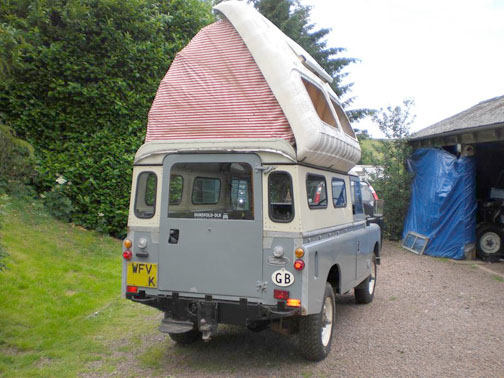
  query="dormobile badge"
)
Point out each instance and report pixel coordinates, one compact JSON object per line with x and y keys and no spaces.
{"x":282,"y":278}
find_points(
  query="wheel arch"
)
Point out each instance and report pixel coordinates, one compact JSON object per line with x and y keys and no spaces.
{"x":334,"y":278}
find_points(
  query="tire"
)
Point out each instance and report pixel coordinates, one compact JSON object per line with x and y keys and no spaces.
{"x":490,"y":244}
{"x":186,"y":338}
{"x":364,"y":293}
{"x":258,"y":326}
{"x":315,"y":331}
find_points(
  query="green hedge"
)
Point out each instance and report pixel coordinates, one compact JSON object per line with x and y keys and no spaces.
{"x":16,"y":161}
{"x":78,"y":80}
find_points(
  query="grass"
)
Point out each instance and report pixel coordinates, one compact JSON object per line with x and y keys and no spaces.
{"x":498,"y":278}
{"x":60,"y":305}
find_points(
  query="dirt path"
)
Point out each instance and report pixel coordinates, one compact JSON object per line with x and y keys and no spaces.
{"x":430,"y":318}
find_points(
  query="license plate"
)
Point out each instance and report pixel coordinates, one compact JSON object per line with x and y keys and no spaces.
{"x":141,"y":274}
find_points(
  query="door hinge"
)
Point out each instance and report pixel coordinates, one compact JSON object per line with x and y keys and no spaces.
{"x":262,"y":286}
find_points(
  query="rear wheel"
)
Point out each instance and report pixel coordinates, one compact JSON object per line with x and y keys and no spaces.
{"x":364,"y":293}
{"x":186,"y":338}
{"x":315,"y":331}
{"x":490,"y":242}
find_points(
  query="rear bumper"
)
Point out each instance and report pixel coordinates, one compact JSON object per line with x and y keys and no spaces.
{"x":227,"y":312}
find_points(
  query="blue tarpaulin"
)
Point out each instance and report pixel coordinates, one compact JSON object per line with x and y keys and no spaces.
{"x":443,"y":201}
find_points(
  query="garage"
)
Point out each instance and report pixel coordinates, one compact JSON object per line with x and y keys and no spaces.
{"x":457,"y":203}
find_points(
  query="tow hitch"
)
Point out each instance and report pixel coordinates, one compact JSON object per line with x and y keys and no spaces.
{"x":207,"y":319}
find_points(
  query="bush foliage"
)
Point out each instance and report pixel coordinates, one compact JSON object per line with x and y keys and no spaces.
{"x":78,"y":79}
{"x":16,"y":161}
{"x":394,"y":183}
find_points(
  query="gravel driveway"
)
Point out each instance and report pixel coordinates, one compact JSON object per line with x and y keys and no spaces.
{"x":430,"y":318}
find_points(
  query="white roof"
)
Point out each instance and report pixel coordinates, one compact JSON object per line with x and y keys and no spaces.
{"x":283,"y":62}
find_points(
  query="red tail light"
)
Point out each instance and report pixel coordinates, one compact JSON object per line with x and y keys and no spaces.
{"x":127,"y":254}
{"x":281,"y":294}
{"x":132,"y":289}
{"x":299,"y":264}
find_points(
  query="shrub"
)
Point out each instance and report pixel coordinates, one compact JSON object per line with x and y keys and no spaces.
{"x":394,"y":182}
{"x":82,"y":76}
{"x":57,"y":203}
{"x":16,"y":161}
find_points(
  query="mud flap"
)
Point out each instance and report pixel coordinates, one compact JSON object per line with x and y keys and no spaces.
{"x":207,"y":319}
{"x":169,"y":325}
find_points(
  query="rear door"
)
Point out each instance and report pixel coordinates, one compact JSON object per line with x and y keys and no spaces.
{"x":211,"y":225}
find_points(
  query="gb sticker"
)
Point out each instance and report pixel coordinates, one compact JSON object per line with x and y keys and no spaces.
{"x":282,"y":278}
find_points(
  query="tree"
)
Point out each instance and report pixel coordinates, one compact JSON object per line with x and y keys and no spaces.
{"x":79,"y":77}
{"x":294,"y":20}
{"x":394,"y":181}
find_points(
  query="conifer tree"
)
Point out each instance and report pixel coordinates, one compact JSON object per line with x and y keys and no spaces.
{"x":293,"y":19}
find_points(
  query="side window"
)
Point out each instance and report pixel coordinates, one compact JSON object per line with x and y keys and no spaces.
{"x":345,"y":123}
{"x":145,"y":201}
{"x":316,"y":191}
{"x":206,"y":191}
{"x":176,"y":186}
{"x":356,"y":198}
{"x":338,"y":192}
{"x":320,"y":104}
{"x":281,"y":203}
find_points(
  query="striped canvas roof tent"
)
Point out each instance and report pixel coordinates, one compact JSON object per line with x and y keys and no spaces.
{"x":241,"y":79}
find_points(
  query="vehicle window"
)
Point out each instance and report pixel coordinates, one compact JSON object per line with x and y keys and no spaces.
{"x":145,"y":201}
{"x":345,"y":123}
{"x":240,"y":195}
{"x":317,"y":192}
{"x":320,"y":103}
{"x":356,"y":197}
{"x":367,"y":195}
{"x":222,"y":191}
{"x":176,"y":186}
{"x":338,"y":192}
{"x":281,"y":204}
{"x":206,"y":191}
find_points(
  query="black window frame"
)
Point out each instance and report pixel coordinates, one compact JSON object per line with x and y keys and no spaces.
{"x":292,"y":196}
{"x":332,"y":193}
{"x":136,"y":195}
{"x":206,"y":203}
{"x":315,"y":207}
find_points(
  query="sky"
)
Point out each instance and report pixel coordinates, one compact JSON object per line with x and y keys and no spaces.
{"x":447,"y":55}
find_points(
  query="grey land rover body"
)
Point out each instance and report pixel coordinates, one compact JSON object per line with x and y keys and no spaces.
{"x":214,"y":229}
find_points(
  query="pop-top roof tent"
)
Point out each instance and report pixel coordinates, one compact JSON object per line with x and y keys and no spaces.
{"x":241,"y":84}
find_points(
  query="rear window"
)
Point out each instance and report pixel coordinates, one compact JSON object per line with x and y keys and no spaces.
{"x":146,"y":189}
{"x":281,"y":203}
{"x":206,"y":191}
{"x":220,"y":191}
{"x":316,"y":191}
